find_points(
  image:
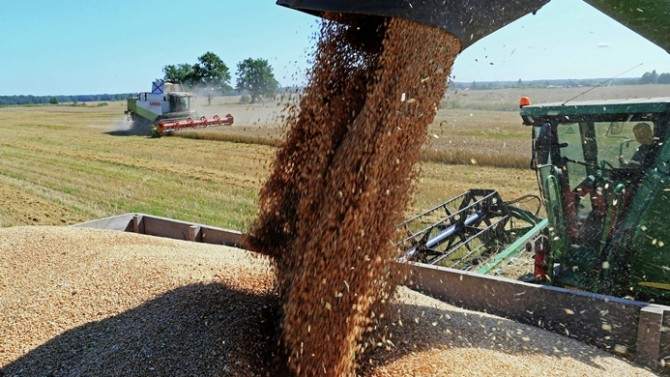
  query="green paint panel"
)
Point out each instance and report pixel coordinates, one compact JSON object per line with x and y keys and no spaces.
{"x":644,"y":241}
{"x":139,"y":111}
{"x":515,"y":248}
{"x":649,"y":18}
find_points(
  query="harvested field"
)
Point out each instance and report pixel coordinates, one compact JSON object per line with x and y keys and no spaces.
{"x":65,"y":158}
{"x":508,"y":99}
{"x":60,"y":161}
{"x":76,"y":302}
{"x":23,"y":207}
{"x":480,"y":126}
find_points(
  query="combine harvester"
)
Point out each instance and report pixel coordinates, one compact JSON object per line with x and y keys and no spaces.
{"x":167,"y":109}
{"x":604,"y":174}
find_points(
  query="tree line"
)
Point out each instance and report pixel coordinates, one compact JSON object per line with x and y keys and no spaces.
{"x":655,"y":78}
{"x":255,"y":77}
{"x":651,"y":77}
{"x":37,"y":100}
{"x":211,"y":74}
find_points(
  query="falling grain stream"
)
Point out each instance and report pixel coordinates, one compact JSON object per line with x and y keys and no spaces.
{"x":341,"y":182}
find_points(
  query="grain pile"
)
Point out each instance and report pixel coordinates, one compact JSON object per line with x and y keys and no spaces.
{"x":77,"y":302}
{"x":342,"y":179}
{"x":431,"y":338}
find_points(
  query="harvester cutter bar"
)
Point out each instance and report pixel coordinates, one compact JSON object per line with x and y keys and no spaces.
{"x":466,"y":205}
{"x":170,"y":126}
{"x":466,"y":243}
{"x":474,"y":224}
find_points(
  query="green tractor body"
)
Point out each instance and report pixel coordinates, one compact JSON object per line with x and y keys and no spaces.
{"x":604,"y":174}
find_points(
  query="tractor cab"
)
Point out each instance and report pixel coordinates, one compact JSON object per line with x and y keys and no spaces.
{"x":165,"y":101}
{"x":603,"y":170}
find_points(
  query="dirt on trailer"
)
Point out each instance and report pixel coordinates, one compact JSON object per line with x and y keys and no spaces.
{"x":79,"y":302}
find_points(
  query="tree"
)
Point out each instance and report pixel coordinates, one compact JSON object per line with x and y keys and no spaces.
{"x":256,"y":77}
{"x":179,"y":74}
{"x":649,"y":78}
{"x":53,"y":101}
{"x":664,"y":78}
{"x":210,"y":72}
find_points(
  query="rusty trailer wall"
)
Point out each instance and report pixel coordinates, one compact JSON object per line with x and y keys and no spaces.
{"x":167,"y":228}
{"x":633,"y":329}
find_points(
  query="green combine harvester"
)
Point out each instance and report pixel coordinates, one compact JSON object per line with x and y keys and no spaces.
{"x":604,"y":174}
{"x":603,"y":170}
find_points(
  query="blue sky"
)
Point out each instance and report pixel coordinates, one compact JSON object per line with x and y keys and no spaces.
{"x":82,"y":46}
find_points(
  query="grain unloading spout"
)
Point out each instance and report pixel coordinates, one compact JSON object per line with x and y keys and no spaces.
{"x":469,"y":20}
{"x":472,"y":20}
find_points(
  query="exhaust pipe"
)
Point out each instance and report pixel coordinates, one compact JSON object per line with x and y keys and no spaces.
{"x":468,"y":20}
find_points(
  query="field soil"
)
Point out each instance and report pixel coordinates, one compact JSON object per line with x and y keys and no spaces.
{"x":477,"y":127}
{"x":88,"y":302}
{"x":65,"y":164}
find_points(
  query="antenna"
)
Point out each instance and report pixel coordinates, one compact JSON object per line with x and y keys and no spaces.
{"x":600,"y":85}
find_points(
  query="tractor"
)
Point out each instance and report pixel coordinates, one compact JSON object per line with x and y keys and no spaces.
{"x":166,"y":109}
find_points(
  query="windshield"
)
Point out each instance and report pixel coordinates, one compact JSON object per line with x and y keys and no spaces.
{"x":592,"y":147}
{"x":602,"y":163}
{"x":179,"y":104}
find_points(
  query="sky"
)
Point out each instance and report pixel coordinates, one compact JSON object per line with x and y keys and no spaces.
{"x":85,"y":47}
